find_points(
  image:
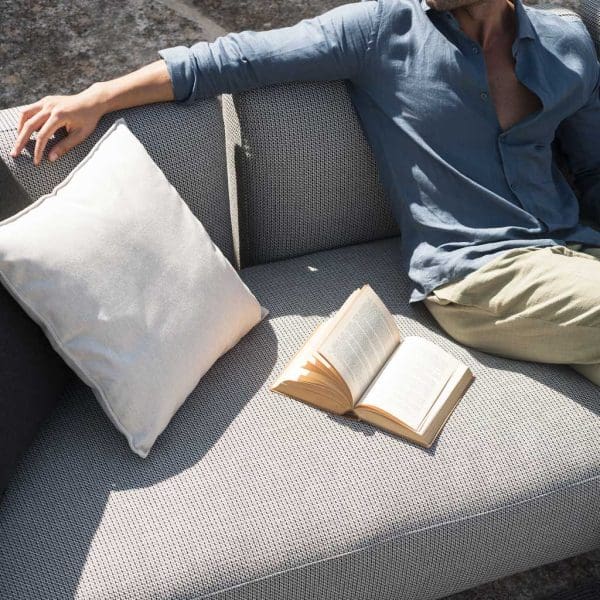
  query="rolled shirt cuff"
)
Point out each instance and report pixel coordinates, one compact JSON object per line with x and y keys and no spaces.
{"x":181,"y":65}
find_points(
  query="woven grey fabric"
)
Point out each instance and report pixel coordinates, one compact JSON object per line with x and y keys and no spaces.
{"x":187,"y":143}
{"x":590,"y":13}
{"x":305,"y":177}
{"x":251,"y":495}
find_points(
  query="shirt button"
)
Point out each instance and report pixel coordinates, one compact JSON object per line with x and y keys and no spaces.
{"x":483,"y":95}
{"x":475,"y":50}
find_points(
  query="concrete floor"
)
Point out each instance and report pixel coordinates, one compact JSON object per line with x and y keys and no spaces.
{"x":61,"y":47}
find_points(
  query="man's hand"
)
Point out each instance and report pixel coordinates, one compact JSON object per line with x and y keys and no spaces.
{"x":78,"y":114}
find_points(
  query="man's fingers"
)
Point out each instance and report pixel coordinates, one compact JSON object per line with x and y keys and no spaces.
{"x":30,"y":126}
{"x":26,"y":112}
{"x":66,"y":144}
{"x":51,"y":125}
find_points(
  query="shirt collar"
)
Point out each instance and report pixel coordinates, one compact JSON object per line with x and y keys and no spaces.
{"x":524,"y":26}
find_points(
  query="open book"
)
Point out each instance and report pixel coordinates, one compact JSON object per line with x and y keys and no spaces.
{"x":357,"y":363}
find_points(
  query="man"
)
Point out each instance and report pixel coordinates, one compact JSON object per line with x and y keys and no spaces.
{"x":461,"y":101}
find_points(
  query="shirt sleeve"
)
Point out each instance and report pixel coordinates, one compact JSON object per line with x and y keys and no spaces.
{"x":334,"y":45}
{"x":578,"y":139}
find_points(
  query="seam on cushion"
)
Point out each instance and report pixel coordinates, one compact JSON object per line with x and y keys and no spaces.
{"x":403,"y":535}
{"x":54,"y":338}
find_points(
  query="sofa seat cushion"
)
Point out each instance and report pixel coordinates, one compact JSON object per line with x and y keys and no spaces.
{"x":249,"y":494}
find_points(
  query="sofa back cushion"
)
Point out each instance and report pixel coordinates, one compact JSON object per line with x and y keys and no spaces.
{"x":186,"y":142}
{"x":302,"y":173}
{"x":589,"y":11}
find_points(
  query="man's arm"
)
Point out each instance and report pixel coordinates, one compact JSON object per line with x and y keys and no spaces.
{"x":579,"y":139}
{"x":334,"y":45}
{"x":79,"y":113}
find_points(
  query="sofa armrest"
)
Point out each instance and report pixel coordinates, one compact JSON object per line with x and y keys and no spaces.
{"x":186,"y":142}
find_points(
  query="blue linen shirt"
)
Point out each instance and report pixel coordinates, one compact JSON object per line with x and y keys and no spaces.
{"x":462,"y":189}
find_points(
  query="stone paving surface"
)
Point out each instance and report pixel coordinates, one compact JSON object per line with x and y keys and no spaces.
{"x":236,"y":15}
{"x":62,"y":47}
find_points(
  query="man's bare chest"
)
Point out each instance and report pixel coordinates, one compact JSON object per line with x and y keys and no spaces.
{"x":512,"y":100}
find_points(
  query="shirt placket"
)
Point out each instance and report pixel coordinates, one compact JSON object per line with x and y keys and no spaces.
{"x":473,"y":52}
{"x":519,"y":147}
{"x":508,"y":151}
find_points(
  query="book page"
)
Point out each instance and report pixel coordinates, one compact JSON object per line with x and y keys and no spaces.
{"x":360,"y":343}
{"x":307,"y":351}
{"x":411,"y":381}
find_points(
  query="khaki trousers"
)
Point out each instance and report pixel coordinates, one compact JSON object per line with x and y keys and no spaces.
{"x":539,"y":304}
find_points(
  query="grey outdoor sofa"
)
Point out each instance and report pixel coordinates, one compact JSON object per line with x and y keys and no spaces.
{"x":250,"y":495}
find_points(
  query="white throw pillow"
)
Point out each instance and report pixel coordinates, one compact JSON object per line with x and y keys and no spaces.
{"x":127,"y":285}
